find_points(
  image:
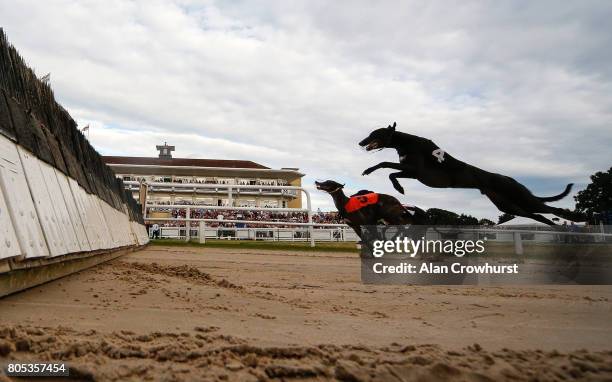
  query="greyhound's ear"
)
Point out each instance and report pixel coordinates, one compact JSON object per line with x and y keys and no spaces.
{"x":392,"y":128}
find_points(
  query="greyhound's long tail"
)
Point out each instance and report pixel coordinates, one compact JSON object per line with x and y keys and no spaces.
{"x":562,"y":195}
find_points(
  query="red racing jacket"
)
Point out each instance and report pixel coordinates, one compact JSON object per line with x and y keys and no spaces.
{"x":356,"y":203}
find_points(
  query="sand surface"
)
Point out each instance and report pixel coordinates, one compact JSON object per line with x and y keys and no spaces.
{"x":225,"y":314}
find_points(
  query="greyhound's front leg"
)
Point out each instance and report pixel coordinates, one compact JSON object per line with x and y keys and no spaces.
{"x":395,"y":166}
{"x":402,"y":174}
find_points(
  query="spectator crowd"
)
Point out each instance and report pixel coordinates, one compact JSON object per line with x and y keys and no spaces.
{"x":203,"y":213}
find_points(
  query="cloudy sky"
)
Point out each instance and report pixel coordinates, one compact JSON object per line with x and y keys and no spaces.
{"x":521,"y":88}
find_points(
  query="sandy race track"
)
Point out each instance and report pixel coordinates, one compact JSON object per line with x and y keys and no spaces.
{"x":172,"y":313}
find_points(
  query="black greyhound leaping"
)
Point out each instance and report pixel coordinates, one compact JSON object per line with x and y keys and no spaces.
{"x":423,"y":160}
{"x":364,"y":208}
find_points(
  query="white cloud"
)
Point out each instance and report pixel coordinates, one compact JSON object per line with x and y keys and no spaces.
{"x":523,"y":89}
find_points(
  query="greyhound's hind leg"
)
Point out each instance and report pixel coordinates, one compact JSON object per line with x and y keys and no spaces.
{"x":540,"y":218}
{"x":505,"y":205}
{"x":566,"y":214}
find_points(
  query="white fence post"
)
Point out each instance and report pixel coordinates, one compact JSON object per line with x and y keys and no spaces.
{"x":188,"y":224}
{"x":310,"y":226}
{"x":202,"y":232}
{"x":518,"y":244}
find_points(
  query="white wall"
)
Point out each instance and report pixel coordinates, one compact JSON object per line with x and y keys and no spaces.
{"x":44,"y":213}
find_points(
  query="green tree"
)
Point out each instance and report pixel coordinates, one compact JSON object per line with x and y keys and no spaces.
{"x":504,"y":218}
{"x":467,"y":220}
{"x":597,"y":197}
{"x":443,"y":217}
{"x":485,"y":222}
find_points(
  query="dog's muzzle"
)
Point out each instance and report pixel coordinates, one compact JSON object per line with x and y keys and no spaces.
{"x":372,"y":145}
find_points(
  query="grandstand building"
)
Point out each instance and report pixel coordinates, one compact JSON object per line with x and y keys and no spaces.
{"x":166,"y":169}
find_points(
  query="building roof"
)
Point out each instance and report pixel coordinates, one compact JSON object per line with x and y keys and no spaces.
{"x":183,"y":162}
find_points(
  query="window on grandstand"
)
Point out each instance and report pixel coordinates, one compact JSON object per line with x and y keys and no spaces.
{"x":267,"y":182}
{"x":159,"y":199}
{"x":269,"y":203}
{"x":247,"y":203}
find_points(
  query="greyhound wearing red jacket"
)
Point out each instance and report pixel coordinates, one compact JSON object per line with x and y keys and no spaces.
{"x":369,"y":208}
